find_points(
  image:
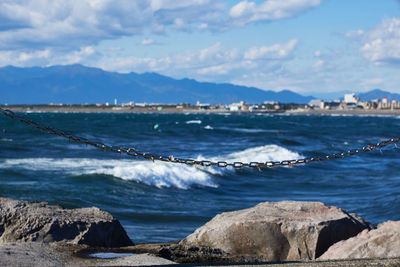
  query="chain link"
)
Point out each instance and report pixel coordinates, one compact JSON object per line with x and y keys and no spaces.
{"x":191,"y":162}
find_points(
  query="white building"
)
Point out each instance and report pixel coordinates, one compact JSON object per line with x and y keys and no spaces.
{"x":350,"y":98}
{"x":237,"y":106}
{"x":316,"y":103}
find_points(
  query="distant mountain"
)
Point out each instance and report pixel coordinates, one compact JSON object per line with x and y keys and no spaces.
{"x":77,"y":84}
{"x":378,"y":94}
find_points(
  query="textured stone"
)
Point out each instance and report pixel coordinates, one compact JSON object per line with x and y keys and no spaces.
{"x":278,"y":231}
{"x":383,"y":242}
{"x":61,"y":254}
{"x":41,"y":222}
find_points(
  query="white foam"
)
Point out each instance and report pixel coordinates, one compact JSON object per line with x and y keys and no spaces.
{"x":159,"y":174}
{"x":194,"y":122}
{"x":246,"y":130}
{"x":6,"y":139}
{"x":261,"y":154}
{"x":208,"y":127}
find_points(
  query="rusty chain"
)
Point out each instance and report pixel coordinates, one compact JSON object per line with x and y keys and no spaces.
{"x":206,"y":163}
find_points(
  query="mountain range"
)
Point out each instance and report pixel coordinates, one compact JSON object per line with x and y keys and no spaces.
{"x":77,"y":84}
{"x":378,"y":94}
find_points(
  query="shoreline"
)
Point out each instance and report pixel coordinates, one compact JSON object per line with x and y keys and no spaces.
{"x":149,"y":110}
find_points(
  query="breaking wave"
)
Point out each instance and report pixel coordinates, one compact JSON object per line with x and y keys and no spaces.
{"x":263,"y":154}
{"x":159,"y":174}
{"x":194,"y":122}
{"x":246,"y":130}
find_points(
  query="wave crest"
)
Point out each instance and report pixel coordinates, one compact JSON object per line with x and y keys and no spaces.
{"x":194,"y":122}
{"x":159,"y":174}
{"x":263,"y":154}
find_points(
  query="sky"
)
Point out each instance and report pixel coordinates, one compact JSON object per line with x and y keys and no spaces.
{"x":313,"y":47}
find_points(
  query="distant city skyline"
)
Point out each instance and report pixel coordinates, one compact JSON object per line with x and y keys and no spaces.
{"x":313,"y":47}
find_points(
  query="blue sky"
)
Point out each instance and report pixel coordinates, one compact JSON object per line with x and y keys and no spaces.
{"x":309,"y":46}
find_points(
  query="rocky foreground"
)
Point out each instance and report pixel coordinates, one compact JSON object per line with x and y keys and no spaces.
{"x":287,"y":231}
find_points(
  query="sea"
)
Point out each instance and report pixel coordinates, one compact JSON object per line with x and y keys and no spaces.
{"x":163,"y":202}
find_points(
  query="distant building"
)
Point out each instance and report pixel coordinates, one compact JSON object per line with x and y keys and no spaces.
{"x":350,"y":99}
{"x":203,"y":106}
{"x":237,"y":106}
{"x":335,"y":104}
{"x":384,"y":104}
{"x":130,"y":104}
{"x":316,"y":103}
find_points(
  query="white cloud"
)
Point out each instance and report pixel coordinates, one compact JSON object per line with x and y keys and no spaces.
{"x":51,"y":32}
{"x":213,"y":63}
{"x":173,"y":4}
{"x":72,"y":24}
{"x":47,"y":57}
{"x":215,"y":54}
{"x":83,"y":54}
{"x":354,"y":34}
{"x":203,"y":26}
{"x":317,"y":53}
{"x":318,"y":65}
{"x":276,"y":51}
{"x":246,"y":12}
{"x":68,"y":25}
{"x":147,"y":42}
{"x":218,"y":69}
{"x":382,"y":44}
{"x":179,"y":24}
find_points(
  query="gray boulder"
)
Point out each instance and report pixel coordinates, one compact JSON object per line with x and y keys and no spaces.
{"x":278,"y":231}
{"x":41,"y":222}
{"x":383,"y":242}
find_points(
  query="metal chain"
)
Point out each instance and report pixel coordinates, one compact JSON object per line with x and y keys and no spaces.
{"x":206,"y":163}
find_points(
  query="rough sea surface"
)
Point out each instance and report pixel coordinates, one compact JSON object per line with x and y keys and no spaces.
{"x":159,"y":202}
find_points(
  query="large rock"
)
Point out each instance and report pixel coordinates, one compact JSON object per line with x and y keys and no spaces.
{"x":383,"y":242}
{"x":278,"y":231}
{"x":26,"y":221}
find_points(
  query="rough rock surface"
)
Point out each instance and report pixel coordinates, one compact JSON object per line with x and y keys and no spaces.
{"x":383,"y":242}
{"x":61,"y":254}
{"x":278,"y":231}
{"x":41,"y":222}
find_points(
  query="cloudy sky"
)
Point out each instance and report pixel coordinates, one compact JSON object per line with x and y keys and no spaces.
{"x":308,"y":46}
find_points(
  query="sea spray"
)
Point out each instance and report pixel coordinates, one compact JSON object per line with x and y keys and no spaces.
{"x":159,"y":174}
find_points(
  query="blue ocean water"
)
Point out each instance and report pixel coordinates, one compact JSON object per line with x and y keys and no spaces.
{"x":159,"y":202}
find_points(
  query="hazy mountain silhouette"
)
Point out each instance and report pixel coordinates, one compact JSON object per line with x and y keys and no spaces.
{"x":77,"y":84}
{"x":378,"y":94}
